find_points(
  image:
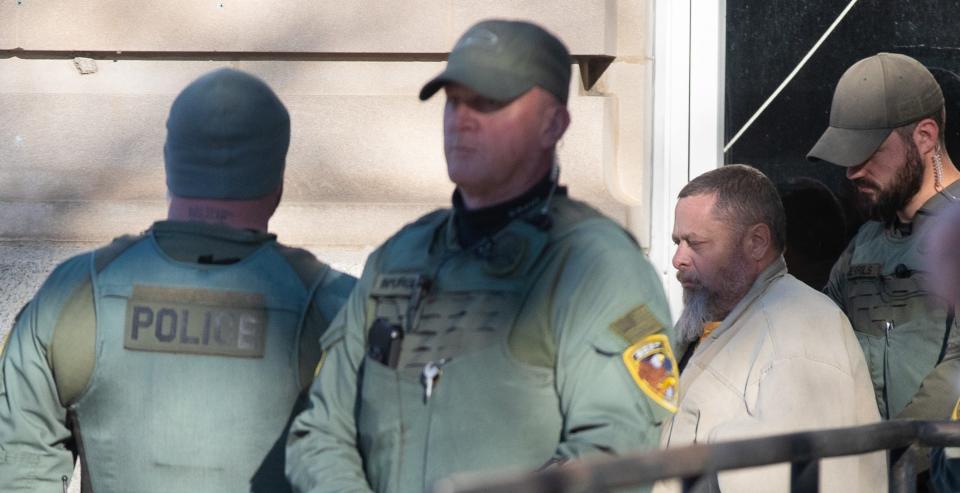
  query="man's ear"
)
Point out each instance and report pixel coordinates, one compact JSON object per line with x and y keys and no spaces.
{"x":757,"y":241}
{"x":926,"y":136}
{"x":556,"y":121}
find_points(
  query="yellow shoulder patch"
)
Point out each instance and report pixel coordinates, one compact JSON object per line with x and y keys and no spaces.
{"x":638,"y":322}
{"x":653,"y":367}
{"x":956,"y":412}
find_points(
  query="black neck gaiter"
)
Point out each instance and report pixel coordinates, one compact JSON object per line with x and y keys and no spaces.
{"x":475,"y":224}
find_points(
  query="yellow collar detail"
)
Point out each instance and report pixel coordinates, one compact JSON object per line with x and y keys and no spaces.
{"x":708,"y":328}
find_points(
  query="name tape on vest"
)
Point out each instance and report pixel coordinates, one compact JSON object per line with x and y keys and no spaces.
{"x":196,"y":321}
{"x":857,"y":271}
{"x":396,"y":284}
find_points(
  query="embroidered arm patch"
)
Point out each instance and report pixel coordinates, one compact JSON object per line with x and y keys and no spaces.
{"x":653,"y":367}
{"x":637,"y":323}
{"x":955,"y":416}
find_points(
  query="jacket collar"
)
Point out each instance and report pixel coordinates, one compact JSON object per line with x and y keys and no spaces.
{"x":217,"y":231}
{"x":711,"y":345}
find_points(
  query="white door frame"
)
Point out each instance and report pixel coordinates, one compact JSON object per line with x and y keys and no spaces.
{"x":689,"y":49}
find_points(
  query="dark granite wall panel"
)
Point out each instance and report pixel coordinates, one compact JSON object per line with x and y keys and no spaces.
{"x":766,"y":39}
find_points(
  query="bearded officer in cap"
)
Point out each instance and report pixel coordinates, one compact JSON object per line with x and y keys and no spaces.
{"x":520,"y":328}
{"x":887,"y":131}
{"x":172,"y":360}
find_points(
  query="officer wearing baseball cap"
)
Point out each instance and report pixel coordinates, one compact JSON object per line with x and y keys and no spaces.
{"x":172,"y":360}
{"x":502,"y":60}
{"x":887,"y":130}
{"x":520,"y":329}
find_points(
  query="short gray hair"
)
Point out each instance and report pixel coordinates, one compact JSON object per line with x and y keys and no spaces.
{"x":745,"y":197}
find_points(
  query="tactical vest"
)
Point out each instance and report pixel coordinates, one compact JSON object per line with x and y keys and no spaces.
{"x":467,"y":314}
{"x":900,"y":326}
{"x":196,"y":373}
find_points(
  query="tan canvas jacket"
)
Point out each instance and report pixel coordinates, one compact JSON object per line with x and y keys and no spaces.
{"x":784,"y":360}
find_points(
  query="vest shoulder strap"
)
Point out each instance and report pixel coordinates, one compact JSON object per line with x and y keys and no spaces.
{"x":406,"y":246}
{"x":309,"y":269}
{"x":73,"y":346}
{"x":106,"y":254}
{"x":312,"y":273}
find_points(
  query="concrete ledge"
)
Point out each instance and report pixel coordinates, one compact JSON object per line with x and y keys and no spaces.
{"x":318,"y":224}
{"x":359,"y":26}
{"x":329,"y":224}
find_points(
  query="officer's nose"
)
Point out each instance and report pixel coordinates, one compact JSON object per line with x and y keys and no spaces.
{"x":855,"y":172}
{"x":462,"y":117}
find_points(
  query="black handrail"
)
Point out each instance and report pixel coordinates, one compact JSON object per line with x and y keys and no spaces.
{"x":698,"y":463}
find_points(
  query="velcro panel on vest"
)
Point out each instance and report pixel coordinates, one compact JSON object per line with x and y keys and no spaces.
{"x":73,"y":349}
{"x":196,"y":321}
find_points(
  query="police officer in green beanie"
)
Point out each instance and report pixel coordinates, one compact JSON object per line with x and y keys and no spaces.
{"x":887,"y":130}
{"x":174,"y":360}
{"x":521,"y":328}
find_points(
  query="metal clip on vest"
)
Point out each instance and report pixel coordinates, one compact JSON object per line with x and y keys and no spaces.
{"x":431,"y":376}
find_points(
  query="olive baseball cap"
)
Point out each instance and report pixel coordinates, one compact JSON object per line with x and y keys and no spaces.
{"x":503,"y":59}
{"x":875,"y":96}
{"x":227,"y":138}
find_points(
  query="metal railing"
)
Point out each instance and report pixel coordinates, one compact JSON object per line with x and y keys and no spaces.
{"x":697,"y":465}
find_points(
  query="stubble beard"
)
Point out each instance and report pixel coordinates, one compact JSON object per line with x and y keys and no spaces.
{"x":704,"y":304}
{"x":884,"y":204}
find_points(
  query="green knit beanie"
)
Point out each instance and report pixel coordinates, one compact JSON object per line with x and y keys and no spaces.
{"x":227,"y":138}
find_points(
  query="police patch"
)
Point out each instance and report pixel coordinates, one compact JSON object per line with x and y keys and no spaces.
{"x":196,"y":321}
{"x":651,"y":364}
{"x":955,"y":416}
{"x":637,"y":323}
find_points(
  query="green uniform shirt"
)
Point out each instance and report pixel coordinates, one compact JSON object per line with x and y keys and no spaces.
{"x":135,"y":358}
{"x":910,"y":340}
{"x":529,"y":331}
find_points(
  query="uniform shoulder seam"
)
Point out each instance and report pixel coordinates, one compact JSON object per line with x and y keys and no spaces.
{"x":431,"y":219}
{"x":308,"y":267}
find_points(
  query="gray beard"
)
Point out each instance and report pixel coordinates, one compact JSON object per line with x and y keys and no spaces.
{"x":702,"y":305}
{"x":696,"y":312}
